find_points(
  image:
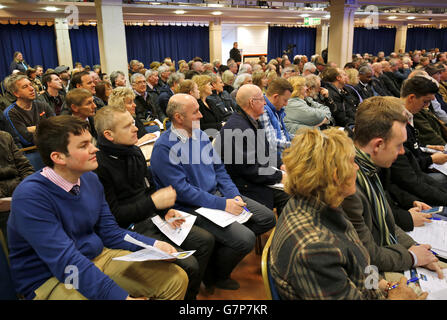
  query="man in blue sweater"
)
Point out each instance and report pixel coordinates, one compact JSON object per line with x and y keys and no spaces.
{"x":63,"y":237}
{"x":184,"y":158}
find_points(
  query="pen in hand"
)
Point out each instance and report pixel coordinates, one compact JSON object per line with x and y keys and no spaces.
{"x":429,"y":249}
{"x":408,"y":282}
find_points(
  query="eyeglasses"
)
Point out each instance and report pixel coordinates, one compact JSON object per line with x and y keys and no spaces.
{"x":262,"y":98}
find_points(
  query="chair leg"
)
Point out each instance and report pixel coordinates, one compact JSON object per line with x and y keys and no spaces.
{"x":258,"y":245}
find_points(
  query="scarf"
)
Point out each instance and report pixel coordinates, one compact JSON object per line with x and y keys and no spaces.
{"x":275,"y":118}
{"x":131,"y":155}
{"x":369,"y":180}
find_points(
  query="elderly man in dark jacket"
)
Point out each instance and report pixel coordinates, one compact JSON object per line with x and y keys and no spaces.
{"x":251,"y":164}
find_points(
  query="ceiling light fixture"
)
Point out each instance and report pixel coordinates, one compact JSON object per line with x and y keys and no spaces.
{"x":392,"y":17}
{"x":179,"y":11}
{"x":2,"y":6}
{"x":304,"y":15}
{"x":51,"y":9}
{"x":411,"y":17}
{"x":216,"y":13}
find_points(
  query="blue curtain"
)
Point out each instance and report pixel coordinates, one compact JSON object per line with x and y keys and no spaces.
{"x":36,"y":43}
{"x":426,"y":38}
{"x":84,"y":45}
{"x":279,"y":38}
{"x":374,"y":40}
{"x":154,"y":43}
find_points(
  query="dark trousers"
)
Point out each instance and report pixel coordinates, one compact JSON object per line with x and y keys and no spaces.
{"x":198,"y":239}
{"x":235,"y":241}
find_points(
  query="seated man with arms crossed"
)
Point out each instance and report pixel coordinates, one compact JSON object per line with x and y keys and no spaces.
{"x":184,"y":158}
{"x":61,"y":226}
{"x":132,"y":196}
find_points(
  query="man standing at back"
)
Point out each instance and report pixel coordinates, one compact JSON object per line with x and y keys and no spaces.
{"x":235,"y":54}
{"x":184,"y":158}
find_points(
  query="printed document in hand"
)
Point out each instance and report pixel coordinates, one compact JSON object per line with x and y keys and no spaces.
{"x":429,"y":282}
{"x":157,"y":135}
{"x":279,"y":186}
{"x":175,"y":235}
{"x":223,"y":218}
{"x":433,"y":233}
{"x":440,"y":167}
{"x":151,"y":253}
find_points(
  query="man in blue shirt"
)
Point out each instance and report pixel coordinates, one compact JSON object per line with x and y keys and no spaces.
{"x":184,"y":158}
{"x":63,"y":237}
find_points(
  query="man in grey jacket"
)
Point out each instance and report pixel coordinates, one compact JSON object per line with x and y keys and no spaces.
{"x":378,"y":143}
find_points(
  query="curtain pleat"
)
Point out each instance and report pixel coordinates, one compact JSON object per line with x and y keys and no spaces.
{"x":374,"y":40}
{"x":84,"y":45}
{"x":36,"y":43}
{"x":279,"y":39}
{"x":426,"y":38}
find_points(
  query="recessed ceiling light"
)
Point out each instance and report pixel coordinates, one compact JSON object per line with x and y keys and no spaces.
{"x":304,"y":15}
{"x":392,"y":17}
{"x":155,"y":3}
{"x":52,"y":9}
{"x":2,"y":6}
{"x":216,"y":5}
{"x":327,"y":16}
{"x":216,"y":13}
{"x":246,"y":25}
{"x":411,"y":17}
{"x":179,"y":11}
{"x":267,"y":22}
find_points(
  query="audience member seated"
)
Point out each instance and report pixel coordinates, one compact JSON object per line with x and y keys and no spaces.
{"x":80,"y":104}
{"x":221,"y":97}
{"x":132,"y":196}
{"x":411,"y":171}
{"x":212,"y":115}
{"x":334,"y":80}
{"x":152,"y":89}
{"x":272,"y":120}
{"x":145,"y":111}
{"x":14,"y":167}
{"x":259,"y":78}
{"x":388,"y":79}
{"x":35,"y":81}
{"x":53,"y":95}
{"x":378,"y":143}
{"x":103,"y":91}
{"x":168,"y":91}
{"x":377,"y":82}
{"x":163,"y":75}
{"x":27,"y":111}
{"x":18,"y":63}
{"x":240,"y":80}
{"x":84,"y":80}
{"x":184,"y":158}
{"x":228,"y":79}
{"x":249,"y":157}
{"x":399,"y":70}
{"x":45,"y":241}
{"x":118,"y":79}
{"x":301,"y":110}
{"x":316,"y":252}
{"x":124,"y":97}
{"x":364,"y":87}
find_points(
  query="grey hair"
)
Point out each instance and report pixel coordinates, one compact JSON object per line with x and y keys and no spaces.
{"x":240,"y":79}
{"x":150,"y":72}
{"x":175,"y":78}
{"x":135,"y":76}
{"x":11,"y":81}
{"x":115,"y":75}
{"x":162,"y":69}
{"x":309,"y":66}
{"x":365,"y":70}
{"x":312,"y":80}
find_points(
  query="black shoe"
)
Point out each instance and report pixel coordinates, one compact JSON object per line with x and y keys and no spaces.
{"x":227,"y":284}
{"x":209,"y":288}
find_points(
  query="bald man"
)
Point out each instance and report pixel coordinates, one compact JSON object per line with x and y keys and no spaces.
{"x":249,"y":159}
{"x":184,"y":158}
{"x":388,"y":79}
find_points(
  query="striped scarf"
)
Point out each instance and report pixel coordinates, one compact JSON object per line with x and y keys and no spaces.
{"x":369,"y":180}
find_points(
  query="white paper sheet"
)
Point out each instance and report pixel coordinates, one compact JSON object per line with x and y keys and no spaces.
{"x":223,"y":218}
{"x":434,"y":234}
{"x":279,"y":186}
{"x":157,"y":135}
{"x":429,"y":282}
{"x":176,"y":235}
{"x":150,"y":252}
